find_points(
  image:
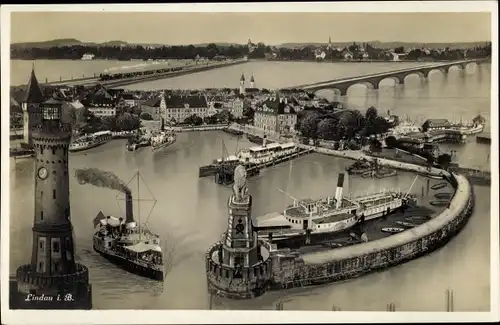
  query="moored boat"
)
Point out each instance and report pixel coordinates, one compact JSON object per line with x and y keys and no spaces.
{"x":162,"y":139}
{"x":405,"y":224}
{"x":136,"y":143}
{"x":309,"y":217}
{"x":393,"y":230}
{"x":256,"y":139}
{"x":232,"y":131}
{"x":90,"y":141}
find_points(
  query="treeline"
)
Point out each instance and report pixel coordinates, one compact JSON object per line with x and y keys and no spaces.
{"x":138,"y":52}
{"x":344,"y":125}
{"x":259,"y":51}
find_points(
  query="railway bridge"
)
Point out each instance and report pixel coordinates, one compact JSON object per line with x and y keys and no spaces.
{"x":372,"y":81}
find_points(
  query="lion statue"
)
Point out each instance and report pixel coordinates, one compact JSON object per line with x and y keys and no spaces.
{"x":240,"y":183}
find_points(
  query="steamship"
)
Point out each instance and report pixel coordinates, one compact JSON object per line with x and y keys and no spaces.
{"x":328,"y":215}
{"x":90,"y":141}
{"x":128,"y":244}
{"x":162,"y":139}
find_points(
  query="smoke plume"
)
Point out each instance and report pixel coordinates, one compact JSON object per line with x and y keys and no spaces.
{"x":100,"y":178}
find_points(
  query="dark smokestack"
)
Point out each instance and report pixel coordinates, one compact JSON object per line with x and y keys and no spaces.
{"x":129,"y":213}
{"x":338,"y":192}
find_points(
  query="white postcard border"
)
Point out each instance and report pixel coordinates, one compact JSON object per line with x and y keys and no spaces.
{"x":232,"y":317}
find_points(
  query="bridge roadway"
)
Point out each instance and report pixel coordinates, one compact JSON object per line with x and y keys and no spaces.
{"x":373,"y":80}
{"x":144,"y":77}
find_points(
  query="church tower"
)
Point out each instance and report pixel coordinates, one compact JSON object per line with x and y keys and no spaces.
{"x":31,"y":106}
{"x":53,"y":271}
{"x":242,"y":84}
{"x":252,"y":82}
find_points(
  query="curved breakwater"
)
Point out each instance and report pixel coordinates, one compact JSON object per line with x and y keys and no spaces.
{"x":292,"y":269}
{"x":342,"y":263}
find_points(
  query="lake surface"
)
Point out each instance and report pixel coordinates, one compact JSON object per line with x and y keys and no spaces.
{"x":191,"y":213}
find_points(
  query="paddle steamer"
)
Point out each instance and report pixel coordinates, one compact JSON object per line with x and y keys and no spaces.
{"x":127,"y":243}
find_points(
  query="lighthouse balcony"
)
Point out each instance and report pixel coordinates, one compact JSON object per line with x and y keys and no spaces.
{"x":52,"y":131}
{"x":29,"y":281}
{"x":237,"y":283}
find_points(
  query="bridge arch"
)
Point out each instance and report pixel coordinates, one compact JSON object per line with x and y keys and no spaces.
{"x":397,"y":80}
{"x":443,"y":70}
{"x":458,"y":67}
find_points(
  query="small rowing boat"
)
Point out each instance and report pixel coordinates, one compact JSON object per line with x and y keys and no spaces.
{"x":393,"y":230}
{"x":405,"y":224}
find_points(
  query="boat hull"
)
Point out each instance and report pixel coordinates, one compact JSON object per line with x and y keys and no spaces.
{"x":162,"y":146}
{"x":89,"y":146}
{"x":368,"y":214}
{"x":130,"y":266}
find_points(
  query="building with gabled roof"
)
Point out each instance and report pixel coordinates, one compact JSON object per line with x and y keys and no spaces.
{"x":275,"y":115}
{"x":179,"y":108}
{"x":435,"y":124}
{"x":156,"y":107}
{"x":101,"y":102}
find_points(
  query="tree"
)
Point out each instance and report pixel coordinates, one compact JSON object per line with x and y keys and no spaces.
{"x":375,"y":145}
{"x":212,"y":119}
{"x":109,"y":123}
{"x":146,"y":116}
{"x":309,"y":125}
{"x":327,"y":129}
{"x":399,"y":50}
{"x":350,"y":122}
{"x":193,"y":120}
{"x":128,"y":122}
{"x":371,"y":113}
{"x":444,"y":160}
{"x":391,"y":142}
{"x":248,"y":112}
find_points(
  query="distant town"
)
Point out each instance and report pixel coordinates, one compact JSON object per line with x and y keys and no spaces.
{"x":285,"y":112}
{"x":330,"y":51}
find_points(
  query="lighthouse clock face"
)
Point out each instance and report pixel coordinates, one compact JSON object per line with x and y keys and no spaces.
{"x":42,"y":173}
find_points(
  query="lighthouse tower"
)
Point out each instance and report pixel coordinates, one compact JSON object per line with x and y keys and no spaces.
{"x":252,"y":82}
{"x":240,"y":260}
{"x":53,"y":271}
{"x":242,"y":84}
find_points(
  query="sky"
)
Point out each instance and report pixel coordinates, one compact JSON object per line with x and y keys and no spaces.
{"x":271,"y":27}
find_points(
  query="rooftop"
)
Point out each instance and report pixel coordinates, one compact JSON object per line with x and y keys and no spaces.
{"x":34,"y":92}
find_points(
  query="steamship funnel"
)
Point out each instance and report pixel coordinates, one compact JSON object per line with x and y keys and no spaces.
{"x":129,"y":213}
{"x":338,"y":191}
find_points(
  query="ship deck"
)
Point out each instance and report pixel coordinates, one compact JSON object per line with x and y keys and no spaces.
{"x":332,"y":218}
{"x":300,"y":212}
{"x":372,"y":228}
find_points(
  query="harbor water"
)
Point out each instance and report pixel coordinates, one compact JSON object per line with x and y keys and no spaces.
{"x":191,"y":213}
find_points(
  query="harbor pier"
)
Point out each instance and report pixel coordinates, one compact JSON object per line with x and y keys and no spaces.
{"x":294,"y":268}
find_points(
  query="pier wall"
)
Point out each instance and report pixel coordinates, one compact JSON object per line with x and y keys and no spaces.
{"x":358,"y":154}
{"x":292,"y":270}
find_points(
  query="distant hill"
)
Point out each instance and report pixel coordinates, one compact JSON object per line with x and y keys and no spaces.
{"x":221,"y":44}
{"x":72,"y":42}
{"x":388,"y":45}
{"x":51,"y":43}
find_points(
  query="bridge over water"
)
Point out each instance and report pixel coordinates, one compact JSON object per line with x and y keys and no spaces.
{"x":372,"y":81}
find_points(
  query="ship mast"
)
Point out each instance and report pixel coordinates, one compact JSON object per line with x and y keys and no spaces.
{"x":138,"y":204}
{"x":408,"y":192}
{"x":294,"y":199}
